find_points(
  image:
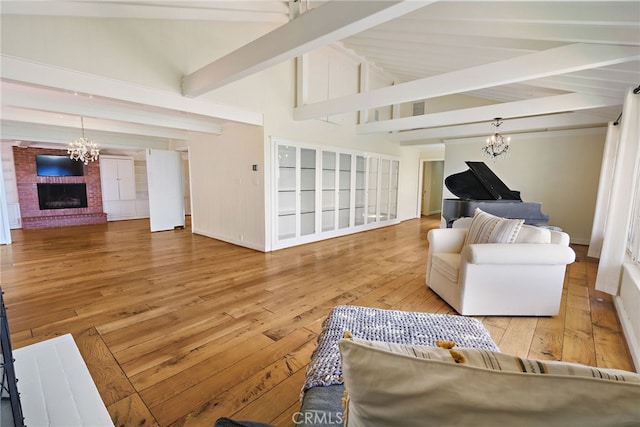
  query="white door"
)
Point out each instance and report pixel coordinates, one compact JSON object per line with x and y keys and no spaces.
{"x":166,"y":199}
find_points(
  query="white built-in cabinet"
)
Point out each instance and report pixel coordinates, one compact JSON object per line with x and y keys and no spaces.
{"x":321,"y":192}
{"x":117,"y":176}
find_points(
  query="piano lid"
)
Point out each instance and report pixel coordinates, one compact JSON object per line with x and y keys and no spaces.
{"x":479,"y":183}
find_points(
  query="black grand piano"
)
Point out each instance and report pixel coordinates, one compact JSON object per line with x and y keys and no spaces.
{"x":479,"y":187}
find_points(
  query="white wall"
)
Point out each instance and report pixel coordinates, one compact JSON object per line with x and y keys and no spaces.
{"x":227,"y":195}
{"x":628,"y":306}
{"x":560,"y":169}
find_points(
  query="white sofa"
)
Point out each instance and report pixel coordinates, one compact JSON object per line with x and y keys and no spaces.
{"x":523,"y":278}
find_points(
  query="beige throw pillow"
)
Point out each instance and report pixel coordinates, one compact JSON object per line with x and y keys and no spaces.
{"x":391,"y":384}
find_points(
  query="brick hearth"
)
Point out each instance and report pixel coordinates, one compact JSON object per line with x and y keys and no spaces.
{"x":27,"y":180}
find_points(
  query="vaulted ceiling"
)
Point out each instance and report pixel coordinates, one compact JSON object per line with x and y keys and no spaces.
{"x":538,"y":64}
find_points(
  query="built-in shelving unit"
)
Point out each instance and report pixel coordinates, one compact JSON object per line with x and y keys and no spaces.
{"x":322,"y":193}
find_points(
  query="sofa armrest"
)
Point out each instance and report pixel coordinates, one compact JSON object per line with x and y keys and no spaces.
{"x":518,"y":254}
{"x":446,"y":239}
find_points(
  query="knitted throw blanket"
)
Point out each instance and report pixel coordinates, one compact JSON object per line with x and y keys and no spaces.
{"x":400,"y":327}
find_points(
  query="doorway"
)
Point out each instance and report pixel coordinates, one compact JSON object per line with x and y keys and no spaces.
{"x":431,"y":181}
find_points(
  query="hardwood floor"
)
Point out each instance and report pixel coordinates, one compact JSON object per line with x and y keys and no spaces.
{"x":180,"y":329}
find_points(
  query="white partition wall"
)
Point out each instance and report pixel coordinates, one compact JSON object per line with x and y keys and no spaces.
{"x":166,"y":199}
{"x":5,"y":231}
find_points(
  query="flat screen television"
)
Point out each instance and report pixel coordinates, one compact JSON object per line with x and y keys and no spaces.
{"x":52,"y":165}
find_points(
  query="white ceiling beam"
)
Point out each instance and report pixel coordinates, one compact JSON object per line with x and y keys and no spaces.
{"x":453,"y":40}
{"x":90,"y":124}
{"x":19,"y":131}
{"x":197,"y":11}
{"x":537,"y":65}
{"x":621,"y":35}
{"x":35,"y":73}
{"x":600,"y":13}
{"x":330,"y":22}
{"x":529,"y":107}
{"x":64,"y":102}
{"x":520,"y":125}
{"x":576,"y":84}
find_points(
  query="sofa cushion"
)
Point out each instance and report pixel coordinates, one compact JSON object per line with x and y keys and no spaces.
{"x":393,"y":384}
{"x":487,"y":228}
{"x":447,"y":264}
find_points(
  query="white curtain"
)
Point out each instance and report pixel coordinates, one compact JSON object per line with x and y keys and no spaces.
{"x":604,"y":189}
{"x":622,"y":189}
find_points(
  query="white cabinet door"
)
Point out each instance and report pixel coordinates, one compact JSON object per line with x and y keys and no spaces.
{"x":126,"y":180}
{"x":337,"y":183}
{"x":308,"y":193}
{"x":287,"y":193}
{"x":345,"y":185}
{"x":373,"y":201}
{"x":329,"y":190}
{"x":360,"y":190}
{"x":393,"y":190}
{"x":118,"y":180}
{"x":297,"y":196}
{"x":109,"y":179}
{"x":385,"y":185}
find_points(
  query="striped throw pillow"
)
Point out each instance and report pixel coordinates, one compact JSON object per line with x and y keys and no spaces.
{"x":388,"y":385}
{"x":496,"y":361}
{"x":487,"y":228}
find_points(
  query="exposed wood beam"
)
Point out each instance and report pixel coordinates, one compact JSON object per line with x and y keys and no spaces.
{"x":318,"y":27}
{"x":525,"y":124}
{"x":551,"y":62}
{"x":529,"y":107}
{"x":21,"y":70}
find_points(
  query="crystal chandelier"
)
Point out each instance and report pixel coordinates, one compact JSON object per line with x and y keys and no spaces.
{"x":496,"y":145}
{"x":82,"y":149}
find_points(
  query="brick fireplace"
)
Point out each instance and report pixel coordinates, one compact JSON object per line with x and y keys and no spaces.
{"x":28,"y":180}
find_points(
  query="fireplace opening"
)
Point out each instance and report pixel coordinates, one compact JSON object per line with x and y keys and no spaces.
{"x":62,"y":196}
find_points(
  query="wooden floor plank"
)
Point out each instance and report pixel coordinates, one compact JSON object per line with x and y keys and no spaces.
{"x":111,"y":381}
{"x":131,"y":411}
{"x":179,"y":329}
